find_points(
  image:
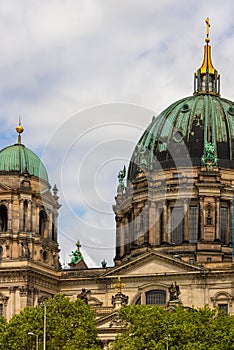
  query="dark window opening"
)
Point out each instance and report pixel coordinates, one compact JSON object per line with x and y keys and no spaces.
{"x":1,"y":310}
{"x":224,"y":308}
{"x":223,"y":224}
{"x":42,"y":222}
{"x":177,"y":225}
{"x":3,"y":218}
{"x":156,"y":297}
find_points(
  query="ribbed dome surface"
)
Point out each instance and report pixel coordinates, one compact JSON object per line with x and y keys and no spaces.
{"x":18,"y":158}
{"x":181,"y":132}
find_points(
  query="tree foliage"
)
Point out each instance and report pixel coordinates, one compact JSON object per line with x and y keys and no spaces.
{"x":152,"y":327}
{"x":69,"y":325}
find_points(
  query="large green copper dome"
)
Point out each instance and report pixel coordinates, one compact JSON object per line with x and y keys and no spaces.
{"x":192,"y":130}
{"x":182,"y":131}
{"x":19,"y":159}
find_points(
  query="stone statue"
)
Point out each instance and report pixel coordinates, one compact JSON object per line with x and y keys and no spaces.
{"x":121,"y":176}
{"x":76,"y":255}
{"x":104,"y":263}
{"x":84,"y":295}
{"x":174,"y":292}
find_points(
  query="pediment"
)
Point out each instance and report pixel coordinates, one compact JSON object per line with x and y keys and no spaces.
{"x":153,"y":263}
{"x":111,"y":321}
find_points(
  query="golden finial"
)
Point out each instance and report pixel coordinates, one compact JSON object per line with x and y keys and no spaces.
{"x":119,"y":285}
{"x":19,"y":129}
{"x":78,"y":245}
{"x":207,"y":30}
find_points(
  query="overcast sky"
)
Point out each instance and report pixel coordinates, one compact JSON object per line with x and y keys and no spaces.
{"x":86,"y":77}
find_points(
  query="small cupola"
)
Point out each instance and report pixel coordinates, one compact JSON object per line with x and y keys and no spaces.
{"x":206,"y":78}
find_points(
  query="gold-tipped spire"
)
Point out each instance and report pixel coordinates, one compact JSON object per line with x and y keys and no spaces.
{"x":207,"y":29}
{"x":19,"y":129}
{"x":207,"y":77}
{"x":207,"y":61}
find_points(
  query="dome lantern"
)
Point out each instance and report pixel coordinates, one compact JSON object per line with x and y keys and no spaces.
{"x":206,"y":78}
{"x":19,"y":129}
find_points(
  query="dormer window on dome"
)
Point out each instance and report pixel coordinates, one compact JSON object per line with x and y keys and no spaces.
{"x":206,"y":78}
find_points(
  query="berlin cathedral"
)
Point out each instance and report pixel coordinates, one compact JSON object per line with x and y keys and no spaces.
{"x":173,"y":211}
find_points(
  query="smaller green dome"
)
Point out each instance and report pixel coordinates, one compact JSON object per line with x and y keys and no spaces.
{"x":18,"y":158}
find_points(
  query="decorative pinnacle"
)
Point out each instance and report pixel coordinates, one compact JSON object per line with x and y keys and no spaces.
{"x":78,"y":245}
{"x":19,"y":129}
{"x":119,"y":285}
{"x":207,"y":40}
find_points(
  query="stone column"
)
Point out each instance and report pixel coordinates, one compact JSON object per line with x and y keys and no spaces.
{"x":217,"y":218}
{"x":9,"y":223}
{"x":29,"y":217}
{"x":168,"y":226}
{"x":126,"y":235}
{"x":121,"y":236}
{"x":165,"y":222}
{"x":229,"y":233}
{"x":145,"y":214}
{"x":157,"y":225}
{"x":21,"y":215}
{"x":152,"y":224}
{"x":12,"y":306}
{"x":202,"y":218}
{"x":37,"y":219}
{"x":186,"y":221}
{"x":117,"y":219}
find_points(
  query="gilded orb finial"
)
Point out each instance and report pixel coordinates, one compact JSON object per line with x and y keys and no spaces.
{"x":19,"y":129}
{"x":207,"y":29}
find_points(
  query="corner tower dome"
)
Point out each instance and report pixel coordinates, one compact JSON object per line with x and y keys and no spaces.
{"x":19,"y":159}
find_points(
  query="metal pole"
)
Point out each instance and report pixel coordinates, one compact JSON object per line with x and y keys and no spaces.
{"x":36,"y":341}
{"x":44,"y":338}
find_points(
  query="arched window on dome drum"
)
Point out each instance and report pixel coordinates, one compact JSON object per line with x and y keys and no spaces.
{"x":42,"y":222}
{"x":177,"y":225}
{"x":156,"y":297}
{"x":3,"y":218}
{"x":223,"y":224}
{"x":193,"y":224}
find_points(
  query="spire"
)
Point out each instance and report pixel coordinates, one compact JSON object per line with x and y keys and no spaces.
{"x":19,"y":129}
{"x":206,"y":79}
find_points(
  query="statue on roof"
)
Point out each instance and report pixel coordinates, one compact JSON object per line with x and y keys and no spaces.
{"x":209,"y":157}
{"x":76,"y":255}
{"x":121,"y":176}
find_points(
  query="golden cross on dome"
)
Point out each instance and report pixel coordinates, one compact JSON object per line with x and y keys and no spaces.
{"x":78,"y":245}
{"x":119,"y":285}
{"x":207,"y":29}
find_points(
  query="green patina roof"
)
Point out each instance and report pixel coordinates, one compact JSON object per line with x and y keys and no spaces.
{"x":18,"y":158}
{"x":193,"y":121}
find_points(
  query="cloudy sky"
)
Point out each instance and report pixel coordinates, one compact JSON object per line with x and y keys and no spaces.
{"x":86,"y":77}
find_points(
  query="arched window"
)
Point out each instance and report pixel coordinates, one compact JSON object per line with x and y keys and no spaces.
{"x":156,"y":297}
{"x":42,"y":222}
{"x":3,"y":218}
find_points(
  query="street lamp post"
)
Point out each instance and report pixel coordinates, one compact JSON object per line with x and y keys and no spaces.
{"x":35,"y":335}
{"x":167,"y":338}
{"x":44,"y":332}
